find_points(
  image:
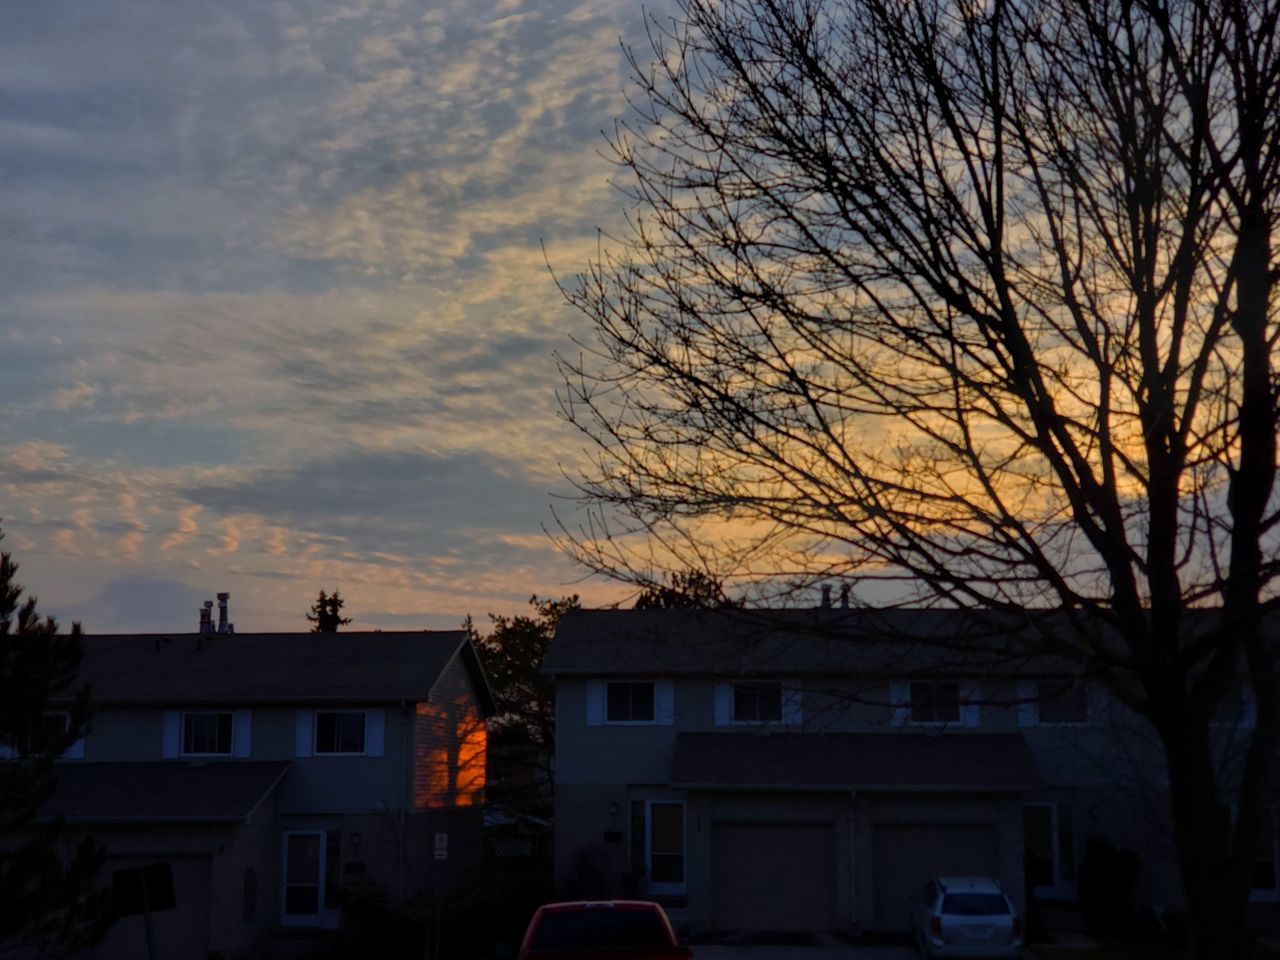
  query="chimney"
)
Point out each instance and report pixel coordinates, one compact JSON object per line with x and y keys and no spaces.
{"x":222,"y":612}
{"x":844,"y":596}
{"x":206,"y":617}
{"x":826,"y":594}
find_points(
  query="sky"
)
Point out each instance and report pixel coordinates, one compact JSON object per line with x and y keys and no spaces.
{"x":275,"y":315}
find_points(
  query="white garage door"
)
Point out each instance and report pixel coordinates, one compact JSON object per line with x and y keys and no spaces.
{"x":774,"y":876}
{"x":907,"y":857}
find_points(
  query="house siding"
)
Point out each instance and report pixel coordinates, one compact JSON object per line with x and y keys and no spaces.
{"x":449,"y":742}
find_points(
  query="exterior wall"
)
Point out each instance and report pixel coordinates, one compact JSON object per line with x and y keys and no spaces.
{"x":449,"y":744}
{"x":874,"y":810}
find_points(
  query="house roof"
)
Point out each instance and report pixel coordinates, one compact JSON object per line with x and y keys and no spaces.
{"x":873,"y":762}
{"x":275,"y":667}
{"x":162,"y":792}
{"x":732,"y":642}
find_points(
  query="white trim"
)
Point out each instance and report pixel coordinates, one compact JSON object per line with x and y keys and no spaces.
{"x":666,"y":887}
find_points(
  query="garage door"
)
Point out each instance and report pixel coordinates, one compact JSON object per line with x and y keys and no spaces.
{"x":907,"y":857}
{"x":180,"y":932}
{"x":774,"y":876}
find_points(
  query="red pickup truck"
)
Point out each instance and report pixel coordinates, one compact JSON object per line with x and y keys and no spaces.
{"x":602,"y":930}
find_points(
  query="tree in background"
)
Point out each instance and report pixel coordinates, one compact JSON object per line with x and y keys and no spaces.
{"x":969,"y":304}
{"x":684,"y":588}
{"x":325,"y":615}
{"x":524,"y":726}
{"x":52,"y":902}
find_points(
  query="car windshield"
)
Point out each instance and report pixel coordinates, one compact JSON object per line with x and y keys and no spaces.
{"x":599,"y":928}
{"x":974,"y":905}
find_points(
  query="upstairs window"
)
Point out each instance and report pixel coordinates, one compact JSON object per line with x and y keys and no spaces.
{"x":935,"y":703}
{"x":628,"y":702}
{"x":206,"y":734}
{"x":340,"y":731}
{"x":757,"y":702}
{"x":1062,"y":703}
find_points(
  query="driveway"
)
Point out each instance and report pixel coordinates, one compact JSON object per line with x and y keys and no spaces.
{"x":833,"y":952}
{"x":808,"y":947}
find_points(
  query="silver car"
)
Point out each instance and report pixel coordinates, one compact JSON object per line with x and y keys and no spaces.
{"x":966,"y":917}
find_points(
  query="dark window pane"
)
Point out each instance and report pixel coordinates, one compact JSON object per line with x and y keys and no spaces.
{"x":300,"y":900}
{"x":1066,"y":842}
{"x":666,"y":868}
{"x":206,"y":733}
{"x":332,"y":862}
{"x":935,"y":703}
{"x":757,"y":702}
{"x":303,"y":859}
{"x":974,"y":905}
{"x":340,"y":732}
{"x":629,"y":702}
{"x":1061,"y":703}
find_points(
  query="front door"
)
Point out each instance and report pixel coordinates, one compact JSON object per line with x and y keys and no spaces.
{"x":304,"y":869}
{"x":1049,"y":837}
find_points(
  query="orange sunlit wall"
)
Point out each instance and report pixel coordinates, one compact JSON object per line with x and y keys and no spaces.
{"x":450,"y":743}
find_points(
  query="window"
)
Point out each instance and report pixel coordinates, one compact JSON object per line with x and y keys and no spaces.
{"x":340,"y":731}
{"x":44,"y":737}
{"x":629,"y":703}
{"x":206,"y":734}
{"x":935,"y":703}
{"x":757,"y":703}
{"x":1062,"y":703}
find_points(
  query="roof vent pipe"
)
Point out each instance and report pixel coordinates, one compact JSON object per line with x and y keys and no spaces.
{"x":826,"y":594}
{"x":222,"y":612}
{"x":844,"y":596}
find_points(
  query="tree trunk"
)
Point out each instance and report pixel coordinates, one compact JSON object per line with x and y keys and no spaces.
{"x":1217,"y":890}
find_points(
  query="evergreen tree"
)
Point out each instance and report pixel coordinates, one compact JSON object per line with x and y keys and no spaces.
{"x":52,"y":904}
{"x":325,"y":615}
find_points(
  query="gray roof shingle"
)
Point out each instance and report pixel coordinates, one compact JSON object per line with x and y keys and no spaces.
{"x":881,"y":762}
{"x":796,"y":643}
{"x":159,"y":792}
{"x":274,"y":667}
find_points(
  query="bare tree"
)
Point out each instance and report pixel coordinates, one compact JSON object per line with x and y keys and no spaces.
{"x":974,"y":297}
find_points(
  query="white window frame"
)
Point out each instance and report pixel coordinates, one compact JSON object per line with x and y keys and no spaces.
{"x":182,"y":734}
{"x":653,"y":689}
{"x":666,"y":887}
{"x":364,"y":735}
